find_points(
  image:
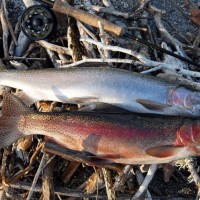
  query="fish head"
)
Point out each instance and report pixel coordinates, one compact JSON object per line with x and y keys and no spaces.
{"x":189,"y":134}
{"x":186,"y":99}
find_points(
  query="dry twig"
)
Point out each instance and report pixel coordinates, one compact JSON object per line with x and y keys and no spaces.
{"x":69,"y":171}
{"x":21,"y":173}
{"x":54,"y":47}
{"x":145,"y":183}
{"x":23,"y":58}
{"x":98,"y":60}
{"x":47,"y":183}
{"x":191,"y":167}
{"x":157,"y":13}
{"x":81,"y":26}
{"x":36,"y":177}
{"x":63,"y":191}
{"x":13,"y":44}
{"x":109,"y":184}
{"x":196,"y":41}
{"x":140,"y":179}
{"x":111,"y":11}
{"x":145,"y":61}
{"x":53,"y":58}
{"x":3,"y":173}
{"x":183,"y":81}
{"x":103,"y":39}
{"x":122,"y":177}
{"x":5,"y":32}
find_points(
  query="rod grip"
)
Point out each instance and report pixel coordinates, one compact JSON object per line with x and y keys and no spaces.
{"x":61,"y":6}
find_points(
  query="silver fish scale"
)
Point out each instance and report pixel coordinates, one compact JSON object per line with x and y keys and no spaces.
{"x":91,"y":84}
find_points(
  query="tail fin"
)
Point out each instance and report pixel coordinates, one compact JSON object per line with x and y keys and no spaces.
{"x":13,"y":106}
{"x":10,"y":121}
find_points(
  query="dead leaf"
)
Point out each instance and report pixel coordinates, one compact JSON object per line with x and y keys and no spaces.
{"x":195,"y":16}
{"x":95,"y":181}
{"x":25,"y":143}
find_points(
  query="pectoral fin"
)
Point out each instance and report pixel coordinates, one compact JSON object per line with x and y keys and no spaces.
{"x":164,"y":151}
{"x":152,"y":105}
{"x":89,"y":99}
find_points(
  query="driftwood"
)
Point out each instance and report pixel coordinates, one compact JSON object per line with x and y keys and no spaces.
{"x":73,"y":155}
{"x":66,"y":192}
{"x":65,"y":8}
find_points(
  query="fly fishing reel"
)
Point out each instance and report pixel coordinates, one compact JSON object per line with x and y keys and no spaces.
{"x":38,"y":22}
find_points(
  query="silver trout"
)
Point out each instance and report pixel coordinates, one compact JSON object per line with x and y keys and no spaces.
{"x":128,"y":90}
{"x":115,"y":138}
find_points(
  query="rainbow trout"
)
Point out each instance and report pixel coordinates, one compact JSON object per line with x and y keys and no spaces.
{"x":128,"y":90}
{"x":119,"y":138}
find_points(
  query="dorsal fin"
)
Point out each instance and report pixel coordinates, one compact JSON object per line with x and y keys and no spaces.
{"x":12,"y":105}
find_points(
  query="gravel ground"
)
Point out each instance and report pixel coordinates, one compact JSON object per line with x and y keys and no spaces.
{"x":125,"y":6}
{"x":180,"y":21}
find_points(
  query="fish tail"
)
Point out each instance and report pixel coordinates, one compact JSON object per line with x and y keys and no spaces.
{"x":12,"y":120}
